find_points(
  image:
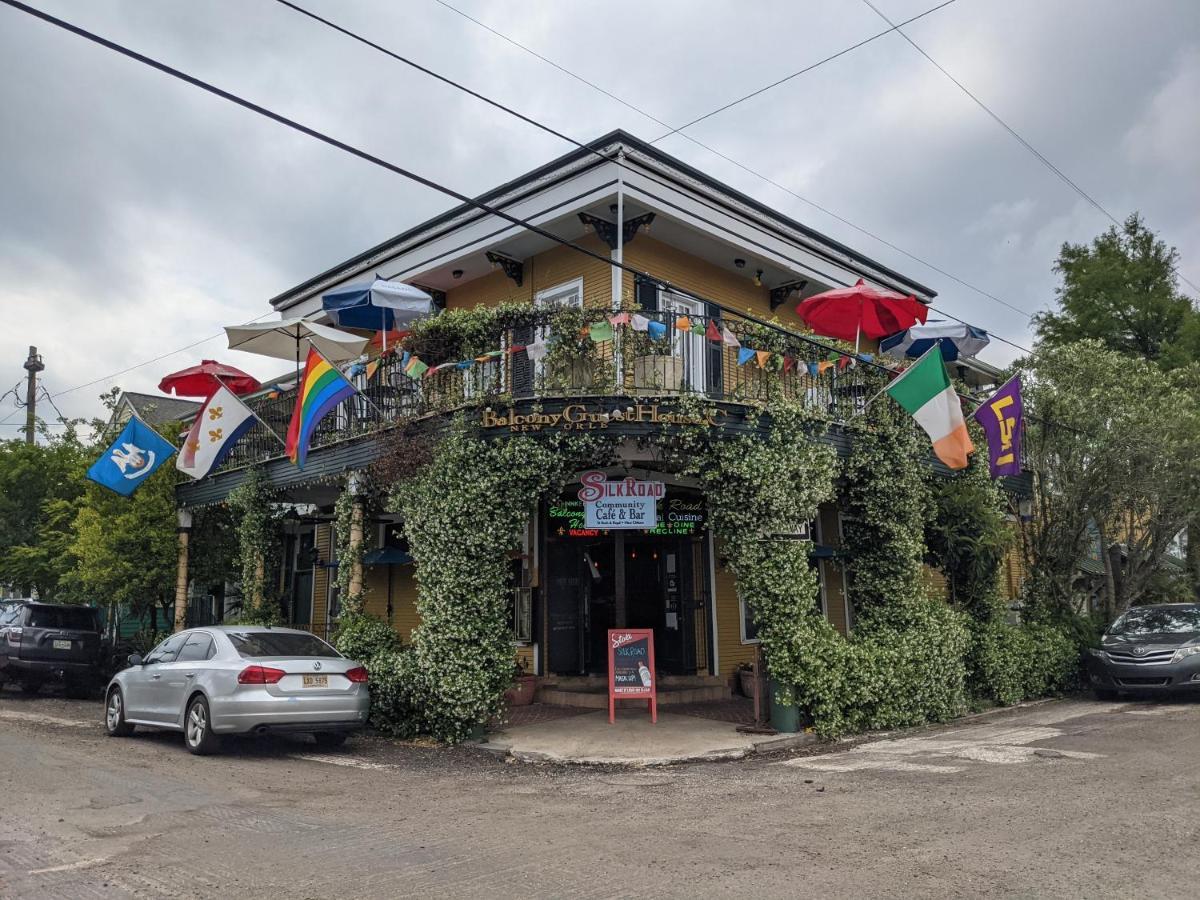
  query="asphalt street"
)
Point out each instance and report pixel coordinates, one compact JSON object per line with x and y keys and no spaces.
{"x":1072,"y":798}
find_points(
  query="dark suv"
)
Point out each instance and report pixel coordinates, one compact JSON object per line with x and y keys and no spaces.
{"x":41,"y":642}
{"x":1150,"y":648}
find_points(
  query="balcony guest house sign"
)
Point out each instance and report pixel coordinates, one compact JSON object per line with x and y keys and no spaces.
{"x":625,"y":504}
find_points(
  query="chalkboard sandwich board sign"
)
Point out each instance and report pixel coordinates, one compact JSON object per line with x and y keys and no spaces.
{"x":631,"y":669}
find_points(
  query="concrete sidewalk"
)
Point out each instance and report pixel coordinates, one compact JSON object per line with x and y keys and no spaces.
{"x":632,"y":740}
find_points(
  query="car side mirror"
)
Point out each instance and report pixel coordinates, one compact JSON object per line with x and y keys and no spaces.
{"x":135,"y":659}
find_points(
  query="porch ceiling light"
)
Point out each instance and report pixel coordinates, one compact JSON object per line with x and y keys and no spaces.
{"x":456,"y":274}
{"x":739,"y":263}
{"x":758,"y":277}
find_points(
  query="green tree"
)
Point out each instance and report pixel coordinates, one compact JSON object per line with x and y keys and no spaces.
{"x":1122,"y":291}
{"x":1114,"y":441}
{"x":41,"y":488}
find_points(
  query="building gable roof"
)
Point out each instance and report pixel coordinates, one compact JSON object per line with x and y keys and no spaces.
{"x":610,"y":146}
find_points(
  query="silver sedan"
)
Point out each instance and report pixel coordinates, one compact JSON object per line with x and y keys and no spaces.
{"x":229,"y":679}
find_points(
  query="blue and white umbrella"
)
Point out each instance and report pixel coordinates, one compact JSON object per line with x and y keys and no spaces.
{"x":954,"y":338}
{"x":378,"y":305}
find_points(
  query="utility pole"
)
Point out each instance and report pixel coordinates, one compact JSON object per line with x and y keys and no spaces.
{"x":33,"y":365}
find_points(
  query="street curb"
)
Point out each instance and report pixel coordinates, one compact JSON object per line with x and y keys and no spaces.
{"x":772,"y":744}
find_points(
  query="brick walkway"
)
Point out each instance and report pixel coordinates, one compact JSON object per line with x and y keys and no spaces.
{"x":736,"y":710}
{"x":536,"y":713}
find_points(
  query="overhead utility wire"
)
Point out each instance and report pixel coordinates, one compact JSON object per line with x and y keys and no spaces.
{"x":362,"y":154}
{"x":1003,"y":124}
{"x":759,"y":175}
{"x":527,"y":119}
{"x":392,"y":167}
{"x":805,"y":70}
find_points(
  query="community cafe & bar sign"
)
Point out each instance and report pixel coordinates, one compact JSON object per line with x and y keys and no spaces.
{"x":628,"y":503}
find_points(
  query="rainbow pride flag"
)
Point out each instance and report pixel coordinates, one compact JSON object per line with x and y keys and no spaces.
{"x":321,"y":389}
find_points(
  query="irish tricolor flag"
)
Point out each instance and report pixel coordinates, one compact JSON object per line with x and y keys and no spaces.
{"x":925,"y":391}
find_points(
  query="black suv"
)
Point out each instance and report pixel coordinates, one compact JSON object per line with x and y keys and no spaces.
{"x":1150,"y":648}
{"x":41,"y":642}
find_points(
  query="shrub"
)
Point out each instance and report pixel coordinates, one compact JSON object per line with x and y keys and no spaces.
{"x":363,"y":637}
{"x":393,"y":710}
{"x":1011,"y":663}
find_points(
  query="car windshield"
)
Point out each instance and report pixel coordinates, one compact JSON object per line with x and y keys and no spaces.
{"x":1158,"y":620}
{"x":253,"y":644}
{"x":80,"y":618}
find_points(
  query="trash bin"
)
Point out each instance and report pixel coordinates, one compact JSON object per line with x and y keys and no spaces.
{"x":784,"y":719}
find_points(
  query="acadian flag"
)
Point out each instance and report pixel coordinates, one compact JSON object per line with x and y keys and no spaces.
{"x":220,"y":424}
{"x":321,"y":388}
{"x":925,"y":391}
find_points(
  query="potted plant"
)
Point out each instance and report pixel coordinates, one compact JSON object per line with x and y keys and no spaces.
{"x":745,"y":674}
{"x":655,"y":369}
{"x":523,"y":688}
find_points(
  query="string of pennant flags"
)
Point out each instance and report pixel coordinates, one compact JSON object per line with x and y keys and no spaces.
{"x":604,"y":330}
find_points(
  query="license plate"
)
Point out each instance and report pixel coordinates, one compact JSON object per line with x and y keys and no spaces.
{"x":316,"y":681}
{"x":62,"y":645}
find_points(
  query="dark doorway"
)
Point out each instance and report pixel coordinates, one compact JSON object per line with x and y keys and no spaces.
{"x":595,"y":582}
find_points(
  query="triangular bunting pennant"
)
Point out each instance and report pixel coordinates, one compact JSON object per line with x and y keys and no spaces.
{"x":600,"y":331}
{"x":683,"y":323}
{"x":728,"y":338}
{"x":763,"y":358}
{"x":657,"y":330}
{"x":638,"y":322}
{"x":713,"y":333}
{"x":745,"y":354}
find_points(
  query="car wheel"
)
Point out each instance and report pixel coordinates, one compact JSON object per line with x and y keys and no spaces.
{"x":1106,"y":694}
{"x":114,"y":715}
{"x":197,"y":729}
{"x":31,"y":687}
{"x":330,"y":739}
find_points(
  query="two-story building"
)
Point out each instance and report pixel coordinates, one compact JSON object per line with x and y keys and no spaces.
{"x":666,"y":241}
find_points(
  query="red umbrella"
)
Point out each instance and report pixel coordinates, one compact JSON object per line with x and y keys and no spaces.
{"x":848,"y":313}
{"x":204,"y":379}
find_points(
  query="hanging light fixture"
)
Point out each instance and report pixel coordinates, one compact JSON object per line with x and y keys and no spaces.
{"x":758,"y":278}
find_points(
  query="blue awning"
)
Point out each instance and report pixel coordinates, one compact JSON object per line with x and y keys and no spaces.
{"x":387,"y":556}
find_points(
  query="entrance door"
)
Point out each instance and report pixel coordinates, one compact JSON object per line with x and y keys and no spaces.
{"x":579,"y":604}
{"x":689,"y":347}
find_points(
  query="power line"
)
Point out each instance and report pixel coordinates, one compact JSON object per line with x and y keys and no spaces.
{"x":382,"y":163}
{"x":362,"y":154}
{"x":1037,"y":154}
{"x":774,"y":84}
{"x":754,"y":172}
{"x":535,"y":123}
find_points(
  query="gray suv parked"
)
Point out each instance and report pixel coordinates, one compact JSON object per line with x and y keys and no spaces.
{"x":41,"y":642}
{"x":1150,"y":648}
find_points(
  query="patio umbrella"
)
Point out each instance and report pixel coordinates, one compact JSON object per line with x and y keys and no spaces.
{"x":954,"y":339}
{"x":378,"y":305}
{"x":849,"y":313}
{"x":281,"y":340}
{"x":204,"y":379}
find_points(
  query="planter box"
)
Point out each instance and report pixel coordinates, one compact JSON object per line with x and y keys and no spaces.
{"x":658,"y":375}
{"x":746,"y":683}
{"x":522,"y":691}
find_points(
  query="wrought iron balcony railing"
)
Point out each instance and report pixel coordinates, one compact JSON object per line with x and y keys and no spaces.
{"x":751,"y":363}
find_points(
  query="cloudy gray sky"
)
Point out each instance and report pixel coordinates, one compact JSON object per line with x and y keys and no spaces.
{"x":139,"y":215}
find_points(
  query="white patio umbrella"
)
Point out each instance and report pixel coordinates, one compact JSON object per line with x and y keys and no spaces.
{"x":954,"y":339}
{"x":281,"y":340}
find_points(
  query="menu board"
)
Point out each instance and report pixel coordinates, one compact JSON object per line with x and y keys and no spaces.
{"x":631,"y":669}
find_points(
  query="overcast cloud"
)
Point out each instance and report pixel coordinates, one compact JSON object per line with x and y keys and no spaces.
{"x":138,"y":215}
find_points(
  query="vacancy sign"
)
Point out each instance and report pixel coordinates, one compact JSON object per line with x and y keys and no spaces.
{"x":628,"y":503}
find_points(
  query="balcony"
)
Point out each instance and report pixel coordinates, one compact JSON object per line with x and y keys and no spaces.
{"x":471,"y":367}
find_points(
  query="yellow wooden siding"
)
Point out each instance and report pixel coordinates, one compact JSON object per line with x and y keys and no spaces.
{"x":935,"y":581}
{"x":405,"y":617}
{"x":731,"y":652}
{"x":545,"y":270}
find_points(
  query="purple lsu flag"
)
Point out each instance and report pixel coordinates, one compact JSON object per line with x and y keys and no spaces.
{"x":1000,"y":417}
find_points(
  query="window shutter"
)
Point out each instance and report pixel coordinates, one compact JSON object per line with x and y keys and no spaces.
{"x":522,"y":365}
{"x":714,"y":365}
{"x":646,"y":293}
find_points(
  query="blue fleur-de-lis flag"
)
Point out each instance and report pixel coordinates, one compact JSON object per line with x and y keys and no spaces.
{"x":133,"y":457}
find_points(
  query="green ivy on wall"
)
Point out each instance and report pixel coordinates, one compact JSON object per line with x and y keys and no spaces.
{"x":258,"y":546}
{"x":463,"y":515}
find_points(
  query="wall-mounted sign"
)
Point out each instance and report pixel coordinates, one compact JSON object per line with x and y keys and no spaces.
{"x":624,"y":504}
{"x":680,"y":514}
{"x":631,"y":669}
{"x":594,"y":416}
